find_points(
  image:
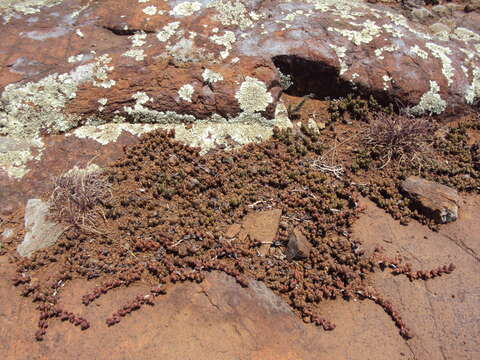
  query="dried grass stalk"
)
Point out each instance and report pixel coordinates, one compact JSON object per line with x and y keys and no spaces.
{"x":399,"y":136}
{"x":75,"y":195}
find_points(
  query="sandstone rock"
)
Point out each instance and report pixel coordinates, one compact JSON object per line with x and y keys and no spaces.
{"x":160,"y":64}
{"x":263,"y":227}
{"x":436,"y":201}
{"x":298,"y":245}
{"x":39,"y":232}
{"x":232,"y":231}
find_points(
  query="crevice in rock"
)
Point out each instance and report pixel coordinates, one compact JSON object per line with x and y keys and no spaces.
{"x":126,"y":32}
{"x":321,"y":80}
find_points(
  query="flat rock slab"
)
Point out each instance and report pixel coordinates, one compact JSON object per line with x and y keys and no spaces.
{"x":214,"y":320}
{"x":262,"y":226}
{"x":39,"y":231}
{"x":436,"y":201}
{"x":443,"y":313}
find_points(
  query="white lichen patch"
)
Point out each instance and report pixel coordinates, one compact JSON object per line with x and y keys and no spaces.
{"x":473,"y":91}
{"x":211,"y":77}
{"x":464,"y":34}
{"x":185,"y":92}
{"x":227,"y":39}
{"x":253,"y":95}
{"x":79,"y":33}
{"x":141,"y":98}
{"x":386,"y":80}
{"x":137,"y":54}
{"x":107,"y":133}
{"x":102,"y":102}
{"x":138,"y":39}
{"x":368,"y":32}
{"x":233,"y":13}
{"x":442,"y":53}
{"x":430,"y":103}
{"x":75,"y":58}
{"x":150,"y":10}
{"x":168,"y":31}
{"x":390,"y":48}
{"x":101,"y":71}
{"x":186,"y":8}
{"x":10,"y":8}
{"x":416,"y":50}
{"x":340,"y":51}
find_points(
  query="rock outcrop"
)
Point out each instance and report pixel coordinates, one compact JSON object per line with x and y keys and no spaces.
{"x":436,"y":201}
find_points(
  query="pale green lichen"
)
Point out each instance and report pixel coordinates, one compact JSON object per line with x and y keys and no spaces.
{"x":233,"y":13}
{"x":137,"y":54}
{"x":16,"y":153}
{"x":253,"y":95}
{"x":206,"y":134}
{"x":101,"y":71}
{"x":430,"y":103}
{"x":442,"y":53}
{"x":285,"y":80}
{"x":464,"y":34}
{"x":10,"y":8}
{"x":364,"y":36}
{"x":28,"y":108}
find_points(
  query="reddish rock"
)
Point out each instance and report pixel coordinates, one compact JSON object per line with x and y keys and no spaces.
{"x":438,"y":202}
{"x":263,"y":227}
{"x":232,"y":231}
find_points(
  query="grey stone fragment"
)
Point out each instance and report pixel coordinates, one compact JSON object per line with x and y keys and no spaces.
{"x":441,"y":11}
{"x":434,"y":200}
{"x":421,"y":14}
{"x":438,"y":28}
{"x":39,"y":232}
{"x":298,"y":245}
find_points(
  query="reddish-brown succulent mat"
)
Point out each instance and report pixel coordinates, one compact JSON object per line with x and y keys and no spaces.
{"x":166,"y":218}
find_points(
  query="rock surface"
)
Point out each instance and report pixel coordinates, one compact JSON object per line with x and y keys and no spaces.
{"x":261,"y":226}
{"x":39,"y":231}
{"x":436,"y":201}
{"x":174,"y":61}
{"x":254,"y":325}
{"x":298,"y":245}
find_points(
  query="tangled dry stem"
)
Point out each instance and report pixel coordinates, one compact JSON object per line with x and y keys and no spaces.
{"x":75,"y":195}
{"x":399,"y":136}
